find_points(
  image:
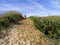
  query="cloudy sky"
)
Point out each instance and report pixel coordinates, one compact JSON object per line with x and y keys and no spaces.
{"x":32,"y":7}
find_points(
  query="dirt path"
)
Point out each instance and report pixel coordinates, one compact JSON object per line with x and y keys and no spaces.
{"x":24,"y":34}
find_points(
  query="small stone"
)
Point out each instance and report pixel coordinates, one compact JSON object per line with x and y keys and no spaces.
{"x":4,"y":32}
{"x":27,"y":42}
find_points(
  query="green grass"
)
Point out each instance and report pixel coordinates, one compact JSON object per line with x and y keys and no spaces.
{"x":9,"y":19}
{"x":50,"y":25}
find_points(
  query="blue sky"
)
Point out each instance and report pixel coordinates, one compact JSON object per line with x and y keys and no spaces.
{"x":32,"y":7}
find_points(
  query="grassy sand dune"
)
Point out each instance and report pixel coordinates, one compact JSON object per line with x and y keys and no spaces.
{"x":24,"y":33}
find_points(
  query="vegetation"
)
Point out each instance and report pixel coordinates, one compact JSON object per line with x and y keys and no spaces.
{"x":9,"y":18}
{"x":50,"y":25}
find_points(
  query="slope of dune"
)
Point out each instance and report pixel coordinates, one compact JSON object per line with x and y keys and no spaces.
{"x":23,"y":33}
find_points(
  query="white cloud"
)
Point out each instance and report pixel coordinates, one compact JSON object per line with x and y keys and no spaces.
{"x":42,"y":11}
{"x":55,"y":3}
{"x":6,"y":7}
{"x":31,"y":9}
{"x":37,"y":5}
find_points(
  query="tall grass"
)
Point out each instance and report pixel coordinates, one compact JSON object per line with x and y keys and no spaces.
{"x":9,"y":18}
{"x":50,"y":25}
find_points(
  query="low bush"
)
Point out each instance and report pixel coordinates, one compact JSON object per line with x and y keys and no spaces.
{"x":9,"y":18}
{"x":50,"y":26}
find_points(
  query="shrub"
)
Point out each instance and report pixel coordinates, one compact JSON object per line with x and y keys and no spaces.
{"x":50,"y":26}
{"x":9,"y":18}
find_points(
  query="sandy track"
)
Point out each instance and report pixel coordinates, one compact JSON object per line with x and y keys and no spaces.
{"x":24,"y":33}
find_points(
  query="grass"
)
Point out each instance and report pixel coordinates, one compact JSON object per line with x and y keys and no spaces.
{"x":9,"y":18}
{"x":50,"y":25}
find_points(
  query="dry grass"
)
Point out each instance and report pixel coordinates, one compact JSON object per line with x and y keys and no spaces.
{"x":30,"y":33}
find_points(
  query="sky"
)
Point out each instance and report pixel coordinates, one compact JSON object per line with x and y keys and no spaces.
{"x":32,"y":7}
